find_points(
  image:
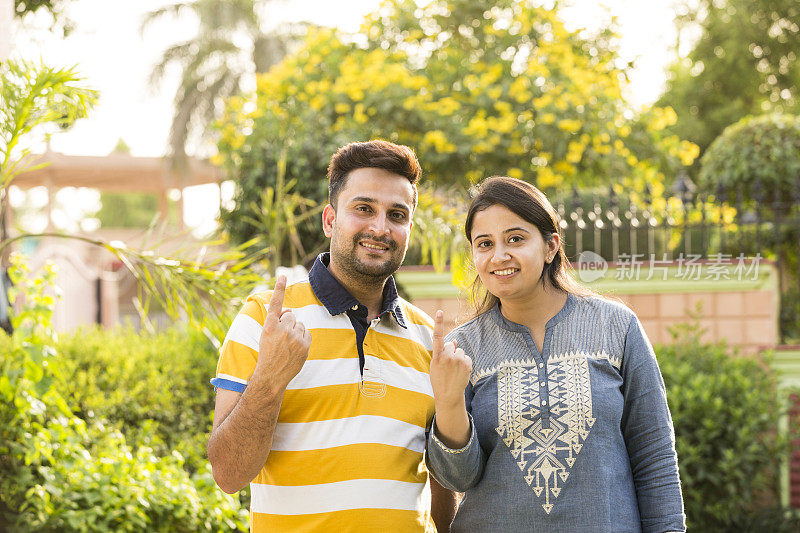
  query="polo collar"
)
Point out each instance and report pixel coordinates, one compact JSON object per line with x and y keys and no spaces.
{"x":338,"y":300}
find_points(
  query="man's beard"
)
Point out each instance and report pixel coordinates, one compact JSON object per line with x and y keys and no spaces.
{"x":355,"y":267}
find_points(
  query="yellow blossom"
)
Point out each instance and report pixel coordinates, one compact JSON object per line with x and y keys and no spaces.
{"x":359,"y":115}
{"x":688,"y":152}
{"x":439,"y":142}
{"x":547,"y":118}
{"x":516,"y":149}
{"x":569,"y":125}
{"x":547,"y":178}
{"x":564,"y":168}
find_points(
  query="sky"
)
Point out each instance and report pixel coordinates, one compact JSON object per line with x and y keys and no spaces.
{"x":114,"y":57}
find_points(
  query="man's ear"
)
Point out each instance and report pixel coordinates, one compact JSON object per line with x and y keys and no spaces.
{"x":328,"y":217}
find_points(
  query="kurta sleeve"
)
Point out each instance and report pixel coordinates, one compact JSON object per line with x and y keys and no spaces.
{"x":456,"y":469}
{"x":649,"y":436}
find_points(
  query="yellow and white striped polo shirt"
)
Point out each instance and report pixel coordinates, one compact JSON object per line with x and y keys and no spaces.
{"x":347,"y":453}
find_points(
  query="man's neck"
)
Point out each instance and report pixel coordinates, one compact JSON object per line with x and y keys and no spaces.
{"x":368,"y":291}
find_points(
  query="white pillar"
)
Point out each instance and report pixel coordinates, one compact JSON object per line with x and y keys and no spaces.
{"x":6,"y":28}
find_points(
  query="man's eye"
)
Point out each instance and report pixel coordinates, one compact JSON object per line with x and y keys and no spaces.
{"x":399,"y":215}
{"x":362,"y":208}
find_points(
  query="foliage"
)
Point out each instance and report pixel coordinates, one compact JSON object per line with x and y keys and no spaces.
{"x":790,"y":314}
{"x":153,"y":386}
{"x":725,"y":411}
{"x":745,"y":62}
{"x":476,"y":91}
{"x":228,"y":47}
{"x":62,"y":474}
{"x":33,"y":96}
{"x":205,"y":290}
{"x":758,"y":155}
{"x":127,"y":210}
{"x":437,"y":238}
{"x":283,"y":218}
{"x":54,"y":7}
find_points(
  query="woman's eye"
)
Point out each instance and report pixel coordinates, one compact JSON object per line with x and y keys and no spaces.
{"x":514,"y":238}
{"x":484,"y":244}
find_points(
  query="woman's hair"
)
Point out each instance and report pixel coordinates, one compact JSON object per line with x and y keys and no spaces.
{"x":531,"y":205}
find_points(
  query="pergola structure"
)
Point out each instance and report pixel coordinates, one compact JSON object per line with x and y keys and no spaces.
{"x":94,"y":287}
{"x":117,"y":172}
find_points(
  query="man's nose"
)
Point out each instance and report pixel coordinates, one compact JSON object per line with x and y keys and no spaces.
{"x":379,"y":225}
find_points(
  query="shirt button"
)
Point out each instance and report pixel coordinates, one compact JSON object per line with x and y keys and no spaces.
{"x":544,"y":403}
{"x":542,"y":384}
{"x":541,"y":365}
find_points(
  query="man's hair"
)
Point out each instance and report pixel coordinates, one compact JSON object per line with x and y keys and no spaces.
{"x":394,"y":158}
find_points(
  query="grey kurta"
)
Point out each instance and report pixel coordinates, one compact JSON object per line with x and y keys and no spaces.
{"x":577,"y":438}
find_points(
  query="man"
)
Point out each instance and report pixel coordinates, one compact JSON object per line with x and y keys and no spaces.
{"x":323,"y":387}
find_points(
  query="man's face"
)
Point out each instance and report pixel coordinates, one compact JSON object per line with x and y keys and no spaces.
{"x":370,"y":226}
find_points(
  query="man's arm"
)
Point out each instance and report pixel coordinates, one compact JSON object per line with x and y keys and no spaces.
{"x":244,"y":424}
{"x":241,"y":437}
{"x":443,"y":506}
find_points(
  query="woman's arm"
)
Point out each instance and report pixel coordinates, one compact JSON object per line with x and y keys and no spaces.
{"x":457,"y":468}
{"x":454,"y":455}
{"x":649,"y":436}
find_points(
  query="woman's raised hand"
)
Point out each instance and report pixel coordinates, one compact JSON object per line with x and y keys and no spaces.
{"x":450,"y":369}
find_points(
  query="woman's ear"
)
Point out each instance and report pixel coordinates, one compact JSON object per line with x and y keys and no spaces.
{"x":553,"y":246}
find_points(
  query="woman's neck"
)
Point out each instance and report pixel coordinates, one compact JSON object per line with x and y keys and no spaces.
{"x":536,"y":308}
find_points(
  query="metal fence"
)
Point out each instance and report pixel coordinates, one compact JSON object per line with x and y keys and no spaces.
{"x":727,"y":224}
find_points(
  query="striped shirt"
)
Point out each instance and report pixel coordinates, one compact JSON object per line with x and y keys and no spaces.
{"x":347,"y":452}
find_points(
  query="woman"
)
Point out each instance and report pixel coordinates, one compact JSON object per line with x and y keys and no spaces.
{"x":551,"y":413}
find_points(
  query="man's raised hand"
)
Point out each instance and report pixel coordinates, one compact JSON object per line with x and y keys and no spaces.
{"x":450,"y":368}
{"x":284,"y":343}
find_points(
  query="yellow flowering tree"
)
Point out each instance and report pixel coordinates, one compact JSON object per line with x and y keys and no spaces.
{"x":476,"y":90}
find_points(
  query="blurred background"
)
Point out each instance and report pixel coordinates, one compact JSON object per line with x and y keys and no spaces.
{"x":159,"y":161}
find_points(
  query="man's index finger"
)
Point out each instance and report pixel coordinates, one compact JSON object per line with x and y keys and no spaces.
{"x":276,"y":302}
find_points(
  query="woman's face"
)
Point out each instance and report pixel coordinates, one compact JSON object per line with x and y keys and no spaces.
{"x":509,"y":252}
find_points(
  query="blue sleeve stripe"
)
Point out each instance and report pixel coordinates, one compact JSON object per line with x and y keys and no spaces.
{"x":227,"y":384}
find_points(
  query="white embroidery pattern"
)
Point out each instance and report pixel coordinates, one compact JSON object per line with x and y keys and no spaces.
{"x":545,"y":447}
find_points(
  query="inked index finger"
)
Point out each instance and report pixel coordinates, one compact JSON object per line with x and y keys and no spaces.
{"x":276,"y":302}
{"x":438,"y":333}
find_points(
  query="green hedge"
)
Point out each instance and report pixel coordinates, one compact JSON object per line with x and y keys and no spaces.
{"x":725,"y":410}
{"x":59,"y":472}
{"x":154,"y":387}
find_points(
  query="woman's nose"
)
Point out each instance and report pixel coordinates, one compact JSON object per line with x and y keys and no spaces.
{"x":500,"y":254}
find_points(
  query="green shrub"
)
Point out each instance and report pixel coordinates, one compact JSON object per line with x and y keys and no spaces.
{"x":154,"y":387}
{"x":89,"y":479}
{"x":60,"y":473}
{"x":725,"y":410}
